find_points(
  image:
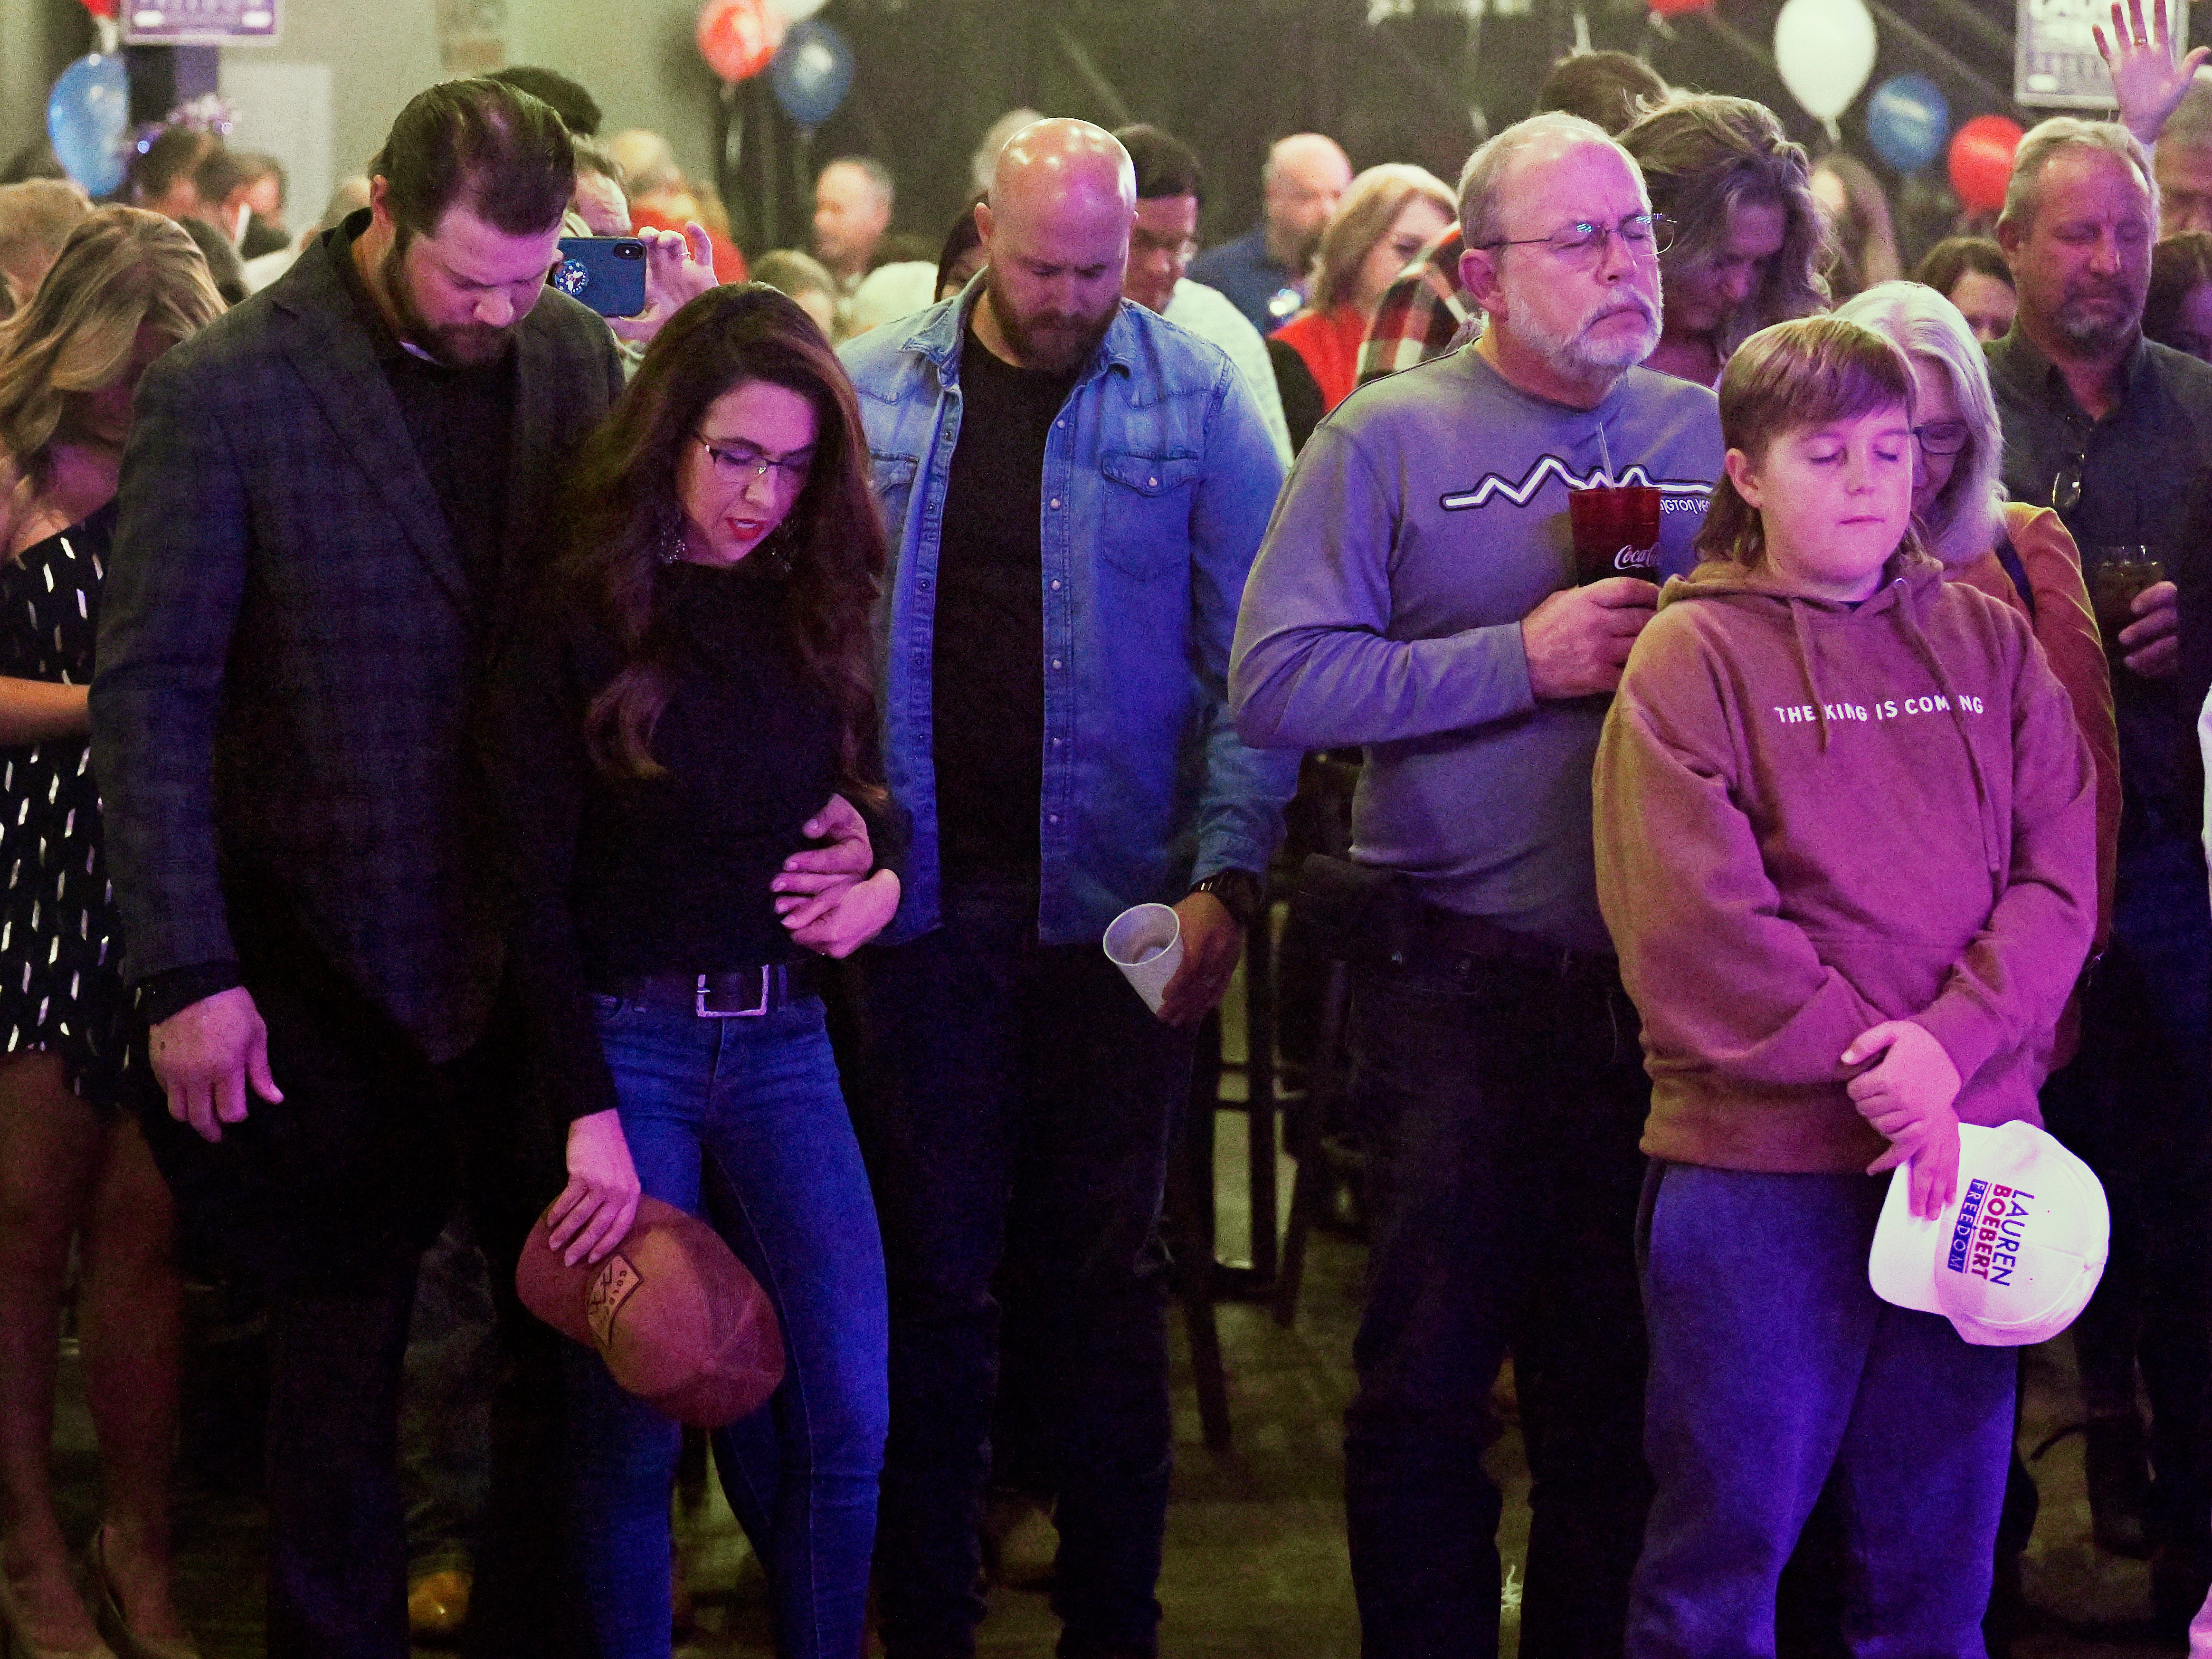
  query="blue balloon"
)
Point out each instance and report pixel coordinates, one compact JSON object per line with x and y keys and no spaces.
{"x":811,"y":72}
{"x":1908,"y":119}
{"x":87,"y":118}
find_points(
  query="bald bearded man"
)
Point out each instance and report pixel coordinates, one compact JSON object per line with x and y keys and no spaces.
{"x":1075,"y":489}
{"x":1265,"y":272}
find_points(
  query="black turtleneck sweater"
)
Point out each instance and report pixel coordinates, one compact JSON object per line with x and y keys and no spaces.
{"x":622,"y":877}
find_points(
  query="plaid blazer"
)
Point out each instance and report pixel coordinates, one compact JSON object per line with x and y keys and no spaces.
{"x":290,"y":649}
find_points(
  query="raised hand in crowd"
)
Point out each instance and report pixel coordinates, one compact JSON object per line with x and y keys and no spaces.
{"x":2146,"y":83}
{"x":679,"y":267}
{"x":207,"y":1055}
{"x":1578,"y":640}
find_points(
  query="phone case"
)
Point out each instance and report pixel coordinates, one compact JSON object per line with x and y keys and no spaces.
{"x":607,"y":273}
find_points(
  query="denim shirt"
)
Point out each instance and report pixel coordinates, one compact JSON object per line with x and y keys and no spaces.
{"x":1158,"y":479}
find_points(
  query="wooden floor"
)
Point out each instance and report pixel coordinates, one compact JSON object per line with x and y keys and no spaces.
{"x":1255,"y":1564}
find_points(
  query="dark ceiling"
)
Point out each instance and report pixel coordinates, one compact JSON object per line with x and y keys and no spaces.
{"x":1229,"y":75}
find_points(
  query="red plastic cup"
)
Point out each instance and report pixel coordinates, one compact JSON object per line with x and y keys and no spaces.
{"x":1616,"y":531}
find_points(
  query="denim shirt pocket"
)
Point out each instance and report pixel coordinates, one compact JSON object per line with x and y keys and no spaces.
{"x":893,"y":477}
{"x":1147,"y":511}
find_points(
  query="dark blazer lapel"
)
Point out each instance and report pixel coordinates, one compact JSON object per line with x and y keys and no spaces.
{"x":335,"y":360}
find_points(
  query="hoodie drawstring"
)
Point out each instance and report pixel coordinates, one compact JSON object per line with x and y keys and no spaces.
{"x":1986,"y":809}
{"x":1806,"y":653}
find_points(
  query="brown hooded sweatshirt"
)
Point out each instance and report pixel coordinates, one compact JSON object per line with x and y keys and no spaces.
{"x":1813,"y":817}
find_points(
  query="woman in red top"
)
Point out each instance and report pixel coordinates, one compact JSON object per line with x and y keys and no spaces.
{"x":1386,"y":218}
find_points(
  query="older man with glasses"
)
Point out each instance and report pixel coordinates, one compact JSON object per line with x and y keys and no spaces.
{"x":1417,"y":595}
{"x":2115,"y":432}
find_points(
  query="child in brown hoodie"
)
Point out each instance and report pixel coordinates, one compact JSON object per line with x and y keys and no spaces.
{"x":1846,"y":850}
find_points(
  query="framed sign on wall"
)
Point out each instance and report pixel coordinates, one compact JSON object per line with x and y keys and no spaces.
{"x":2055,"y":60}
{"x":199,"y":22}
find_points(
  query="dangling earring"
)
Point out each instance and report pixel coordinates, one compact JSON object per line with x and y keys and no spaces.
{"x":777,"y":549}
{"x":668,"y":542}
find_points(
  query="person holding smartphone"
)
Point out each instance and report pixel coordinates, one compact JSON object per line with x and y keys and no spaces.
{"x":697,"y":682}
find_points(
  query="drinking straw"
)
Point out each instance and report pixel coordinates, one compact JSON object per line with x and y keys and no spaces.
{"x":1604,"y":455}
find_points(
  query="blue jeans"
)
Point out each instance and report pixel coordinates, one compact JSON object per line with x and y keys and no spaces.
{"x":741,"y":1121}
{"x":1773,"y":1366}
{"x":1017,"y":1124}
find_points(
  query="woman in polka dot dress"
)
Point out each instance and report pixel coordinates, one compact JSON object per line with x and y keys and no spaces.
{"x":125,"y":287}
{"x":59,"y":990}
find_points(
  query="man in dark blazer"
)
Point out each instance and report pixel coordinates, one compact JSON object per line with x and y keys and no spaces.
{"x":333,"y":499}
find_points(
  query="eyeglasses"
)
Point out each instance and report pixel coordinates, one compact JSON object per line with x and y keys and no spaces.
{"x":2066,"y":486}
{"x":1582,"y":243}
{"x":1943,"y":437}
{"x":742,"y":467}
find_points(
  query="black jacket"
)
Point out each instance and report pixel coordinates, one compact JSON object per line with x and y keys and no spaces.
{"x":291,"y":651}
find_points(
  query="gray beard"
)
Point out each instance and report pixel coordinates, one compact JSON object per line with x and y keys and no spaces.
{"x":2087,"y":335}
{"x":1573,"y":356}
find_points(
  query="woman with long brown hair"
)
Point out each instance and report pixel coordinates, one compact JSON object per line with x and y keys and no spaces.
{"x":126,"y":286}
{"x":700,"y":681}
{"x":1748,"y":241}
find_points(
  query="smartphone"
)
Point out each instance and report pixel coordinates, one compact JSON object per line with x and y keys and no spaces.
{"x":607,"y":273}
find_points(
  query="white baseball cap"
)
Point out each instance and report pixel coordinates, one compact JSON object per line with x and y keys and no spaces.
{"x":2015,"y":1255}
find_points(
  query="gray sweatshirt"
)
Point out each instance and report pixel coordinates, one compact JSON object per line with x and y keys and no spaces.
{"x":1425,"y":518}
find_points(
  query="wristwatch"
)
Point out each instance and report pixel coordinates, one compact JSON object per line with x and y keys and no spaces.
{"x":1240,"y":893}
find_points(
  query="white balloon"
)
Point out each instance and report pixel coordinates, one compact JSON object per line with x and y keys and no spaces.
{"x":797,"y":11}
{"x":1825,"y":49}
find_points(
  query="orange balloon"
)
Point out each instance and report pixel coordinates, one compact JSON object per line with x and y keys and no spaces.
{"x":738,"y":37}
{"x":1981,"y":161}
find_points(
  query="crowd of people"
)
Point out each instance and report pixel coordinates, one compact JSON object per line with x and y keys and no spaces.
{"x":477,"y":776}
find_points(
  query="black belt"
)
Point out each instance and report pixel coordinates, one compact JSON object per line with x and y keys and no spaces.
{"x":1439,"y":932}
{"x":741,"y":994}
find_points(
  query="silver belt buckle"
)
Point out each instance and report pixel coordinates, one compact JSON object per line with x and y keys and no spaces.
{"x":699,"y":1001}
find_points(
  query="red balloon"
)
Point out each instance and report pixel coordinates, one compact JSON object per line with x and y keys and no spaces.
{"x":1680,"y":8}
{"x":738,"y":37}
{"x":1981,"y":161}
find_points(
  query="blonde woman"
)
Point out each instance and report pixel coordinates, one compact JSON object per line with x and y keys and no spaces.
{"x":127,"y":286}
{"x":1386,"y":218}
